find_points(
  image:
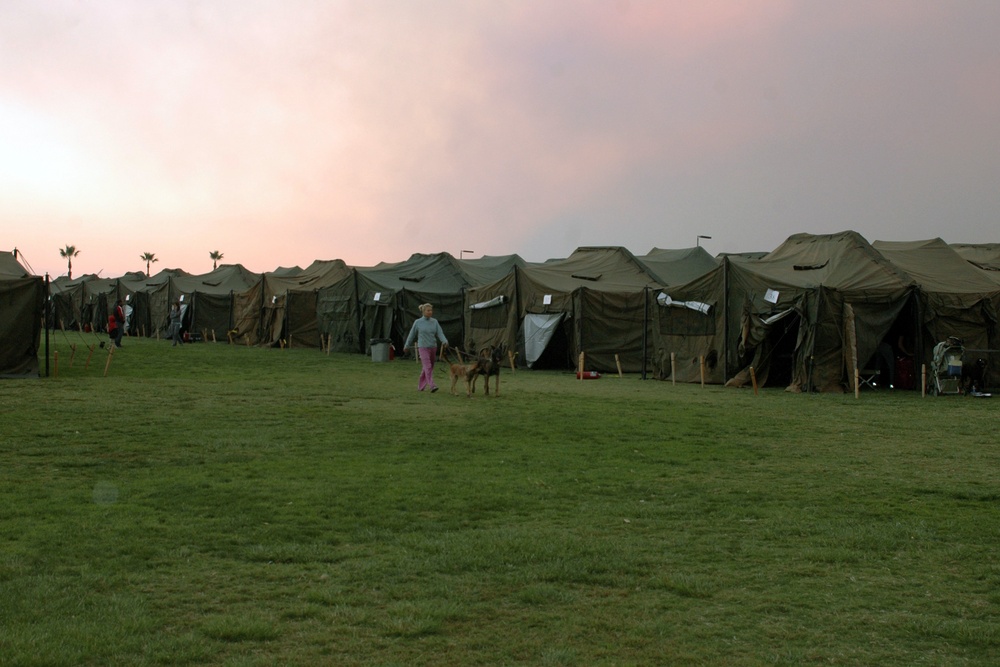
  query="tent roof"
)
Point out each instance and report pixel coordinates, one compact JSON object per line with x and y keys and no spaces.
{"x":164,"y":276}
{"x":936,"y":266}
{"x":675,"y":267}
{"x":432,"y":274}
{"x":284,"y":271}
{"x":488,"y":269}
{"x":223,"y":280}
{"x":844,"y":261}
{"x":606,"y":269}
{"x":10,"y":267}
{"x":984,"y":255}
{"x":63,"y":283}
{"x":321,"y":273}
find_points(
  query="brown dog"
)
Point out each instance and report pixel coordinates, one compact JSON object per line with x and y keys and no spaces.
{"x":490,"y":360}
{"x":467,"y":372}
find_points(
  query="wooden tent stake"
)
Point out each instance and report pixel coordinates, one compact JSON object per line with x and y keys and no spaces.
{"x":618,"y":362}
{"x":753,"y":379}
{"x":857,"y":383}
{"x":107,"y":365}
{"x":923,"y":380}
{"x":673,"y":368}
{"x":510,"y":355}
{"x":89,"y":356}
{"x":701,"y":364}
{"x":580,"y":367}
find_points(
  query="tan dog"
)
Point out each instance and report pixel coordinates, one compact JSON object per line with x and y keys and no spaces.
{"x":467,"y":372}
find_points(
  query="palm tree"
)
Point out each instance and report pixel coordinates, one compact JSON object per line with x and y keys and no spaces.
{"x":216,"y":256}
{"x":69,"y":252}
{"x":149,"y":258}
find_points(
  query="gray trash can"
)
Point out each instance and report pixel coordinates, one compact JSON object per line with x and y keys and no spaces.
{"x":380,"y":349}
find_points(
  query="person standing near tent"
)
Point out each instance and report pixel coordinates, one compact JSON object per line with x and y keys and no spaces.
{"x":119,"y":315}
{"x":427,"y":332}
{"x":175,"y":322}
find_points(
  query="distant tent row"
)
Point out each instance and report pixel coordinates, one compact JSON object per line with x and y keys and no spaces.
{"x":328,"y":304}
{"x":803,"y":316}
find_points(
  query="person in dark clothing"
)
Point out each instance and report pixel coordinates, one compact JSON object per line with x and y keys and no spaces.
{"x":119,"y":315}
{"x":175,"y":323}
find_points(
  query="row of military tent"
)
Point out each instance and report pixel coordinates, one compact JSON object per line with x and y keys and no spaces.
{"x":328,"y":304}
{"x":803,"y":315}
{"x":83,"y":304}
{"x":596,"y":300}
{"x":22,"y":298}
{"x":808,"y":313}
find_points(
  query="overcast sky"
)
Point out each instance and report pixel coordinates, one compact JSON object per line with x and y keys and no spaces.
{"x":283,"y":131}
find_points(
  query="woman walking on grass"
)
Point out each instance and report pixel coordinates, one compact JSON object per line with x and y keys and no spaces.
{"x":427,"y":332}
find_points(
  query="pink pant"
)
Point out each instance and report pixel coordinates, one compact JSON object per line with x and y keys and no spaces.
{"x":427,"y":362}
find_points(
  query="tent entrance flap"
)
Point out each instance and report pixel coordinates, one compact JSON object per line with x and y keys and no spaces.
{"x":538,"y":331}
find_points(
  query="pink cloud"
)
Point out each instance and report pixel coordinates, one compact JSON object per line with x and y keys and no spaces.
{"x":368,"y":131}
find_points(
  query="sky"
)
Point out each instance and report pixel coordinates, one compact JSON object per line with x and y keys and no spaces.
{"x":279,"y":132}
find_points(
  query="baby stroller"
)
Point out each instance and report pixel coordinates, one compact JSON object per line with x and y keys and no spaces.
{"x":946,"y":367}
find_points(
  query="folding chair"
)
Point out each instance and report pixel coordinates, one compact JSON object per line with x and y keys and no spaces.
{"x":869,"y":378}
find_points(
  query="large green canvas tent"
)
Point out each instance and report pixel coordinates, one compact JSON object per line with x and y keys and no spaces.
{"x":66,"y":302}
{"x":389,"y":296}
{"x":209,"y":298}
{"x":593,"y":301}
{"x":150,"y":298}
{"x":954,"y":297}
{"x":22,"y":301}
{"x":688,"y":333}
{"x":100,"y":295}
{"x":309,"y":320}
{"x":810,"y":311}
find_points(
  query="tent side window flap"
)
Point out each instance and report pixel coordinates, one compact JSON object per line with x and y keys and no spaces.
{"x":489,"y":314}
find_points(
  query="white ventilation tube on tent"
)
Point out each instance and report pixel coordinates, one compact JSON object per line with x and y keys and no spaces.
{"x":495,"y":301}
{"x":664,"y":300}
{"x":777,"y":316}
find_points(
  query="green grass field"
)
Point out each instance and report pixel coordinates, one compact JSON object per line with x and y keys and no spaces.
{"x":215,"y":504}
